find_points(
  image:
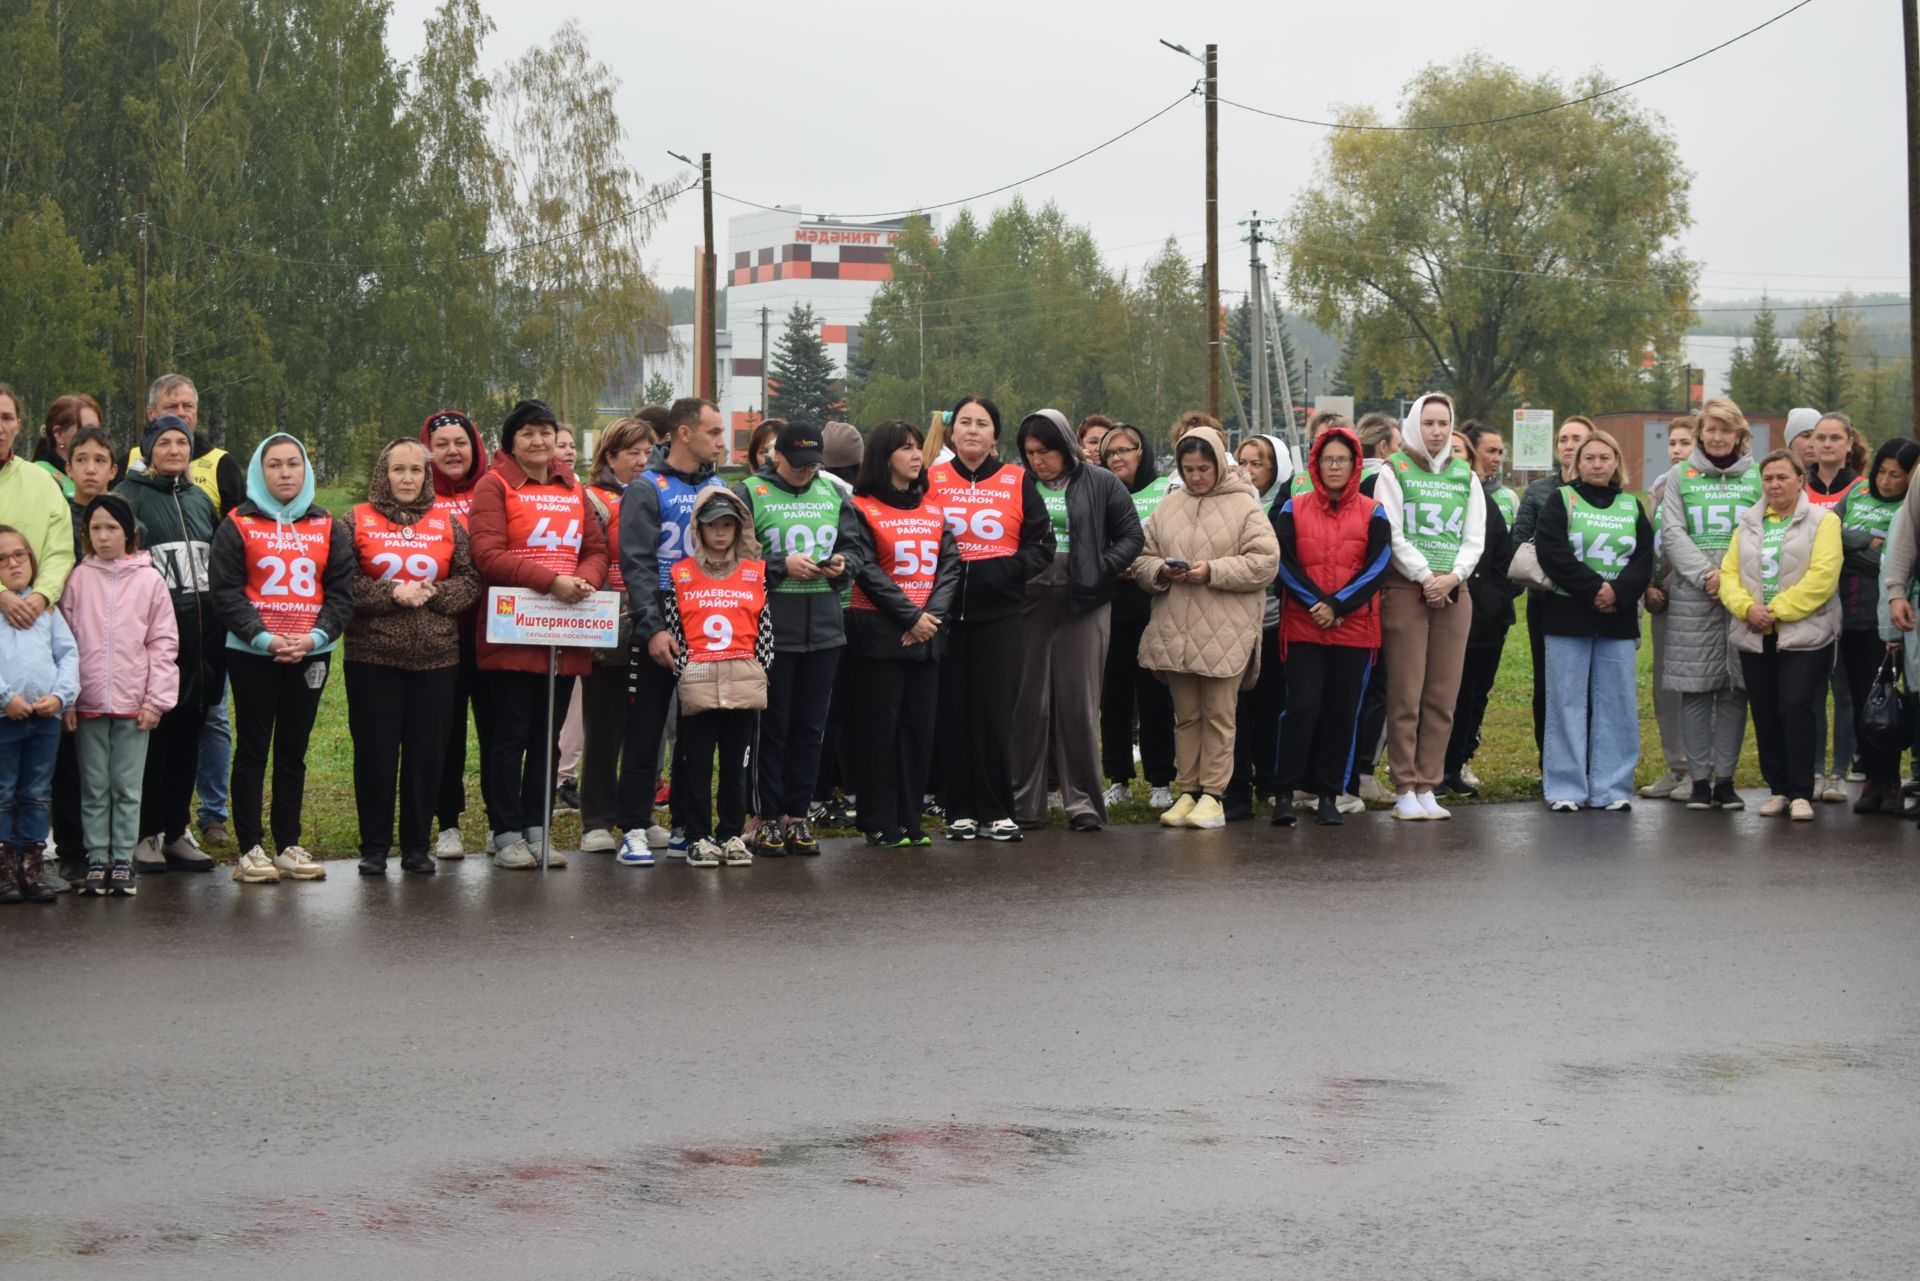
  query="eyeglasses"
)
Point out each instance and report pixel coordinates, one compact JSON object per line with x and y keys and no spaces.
{"x":1121,"y":451}
{"x":21,"y":557}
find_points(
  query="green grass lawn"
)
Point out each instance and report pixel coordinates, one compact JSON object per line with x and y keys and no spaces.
{"x":1505,"y":763}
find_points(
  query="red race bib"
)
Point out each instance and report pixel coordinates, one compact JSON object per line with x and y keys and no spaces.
{"x":456,"y":505}
{"x":985,"y":518}
{"x":906,"y":544}
{"x":284,"y":564}
{"x":720,"y":616}
{"x":543,"y":525}
{"x":418,"y":553}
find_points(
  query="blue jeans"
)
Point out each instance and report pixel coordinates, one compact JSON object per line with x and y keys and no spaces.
{"x":27,"y":749}
{"x":216,"y":762}
{"x":1591,"y":759}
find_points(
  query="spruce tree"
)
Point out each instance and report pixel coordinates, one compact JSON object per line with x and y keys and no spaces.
{"x":802,"y":386}
{"x":1761,"y":378}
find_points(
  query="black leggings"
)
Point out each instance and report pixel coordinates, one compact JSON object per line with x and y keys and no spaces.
{"x":1128,"y":688}
{"x":1861,"y":653}
{"x":1321,"y":723}
{"x":274,"y":705}
{"x":730,"y":732}
{"x":1477,"y":675}
{"x":1784,"y":689}
{"x":398,"y":720}
{"x":173,"y":757}
{"x":469,"y":688}
{"x":1258,"y":712}
{"x":892,"y":737}
{"x":792,"y":729}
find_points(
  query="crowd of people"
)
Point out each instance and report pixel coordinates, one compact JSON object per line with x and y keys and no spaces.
{"x":860,"y":633}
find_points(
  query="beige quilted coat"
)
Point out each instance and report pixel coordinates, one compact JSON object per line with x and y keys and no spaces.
{"x":1211,"y":630}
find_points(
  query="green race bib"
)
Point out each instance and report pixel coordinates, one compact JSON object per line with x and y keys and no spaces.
{"x":1875,"y":515}
{"x":1055,"y":498}
{"x":1604,"y":538}
{"x":803,"y":524}
{"x":1434,"y":514}
{"x":1714,"y":503}
{"x":1147,"y":501}
{"x":1508,"y":502}
{"x":1773,"y":536}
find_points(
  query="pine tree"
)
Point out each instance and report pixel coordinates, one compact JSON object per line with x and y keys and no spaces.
{"x":1761,"y":379}
{"x":804,"y":387}
{"x":659,"y":390}
{"x":1828,"y":339}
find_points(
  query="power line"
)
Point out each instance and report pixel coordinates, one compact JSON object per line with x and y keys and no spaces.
{"x":1520,"y":115}
{"x":993,"y":191}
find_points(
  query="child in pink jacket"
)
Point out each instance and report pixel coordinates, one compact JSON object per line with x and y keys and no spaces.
{"x":117,"y":606}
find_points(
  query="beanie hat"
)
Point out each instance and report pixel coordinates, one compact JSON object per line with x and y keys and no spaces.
{"x":160,"y":427}
{"x":527,"y":411}
{"x":1799,"y":421}
{"x":841,"y":445}
{"x":118,"y":508}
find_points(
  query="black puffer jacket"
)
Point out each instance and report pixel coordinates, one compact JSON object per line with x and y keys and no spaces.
{"x":1489,"y":588}
{"x":1103,"y":530}
{"x":177,"y":523}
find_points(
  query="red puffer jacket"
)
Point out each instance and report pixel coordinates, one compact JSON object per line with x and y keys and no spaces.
{"x":1333,"y":551}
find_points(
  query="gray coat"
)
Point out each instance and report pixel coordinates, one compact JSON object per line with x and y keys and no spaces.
{"x":1699,"y":654}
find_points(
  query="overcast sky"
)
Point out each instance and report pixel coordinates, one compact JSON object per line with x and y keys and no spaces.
{"x":1794,"y":135}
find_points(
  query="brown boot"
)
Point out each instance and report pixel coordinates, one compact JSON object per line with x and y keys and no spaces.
{"x":27,"y":870}
{"x":9,"y":876}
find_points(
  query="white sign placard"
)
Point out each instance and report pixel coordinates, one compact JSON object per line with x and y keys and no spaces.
{"x":516,"y":616}
{"x":1532,"y":440}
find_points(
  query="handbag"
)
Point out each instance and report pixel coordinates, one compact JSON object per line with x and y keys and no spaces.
{"x":1887,"y":713}
{"x":1525,"y":570}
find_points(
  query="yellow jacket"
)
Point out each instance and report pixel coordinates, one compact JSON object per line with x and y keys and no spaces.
{"x":1808,"y":597}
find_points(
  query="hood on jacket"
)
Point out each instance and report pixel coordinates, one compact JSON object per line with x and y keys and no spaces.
{"x":380,"y":489}
{"x":1313,"y":462}
{"x":1049,"y":427}
{"x":1282,"y":461}
{"x":1147,"y":470}
{"x":1410,"y":442}
{"x":262,"y":498}
{"x":444,"y":485}
{"x":745,"y":545}
{"x":1902,"y":451}
{"x":657,"y":462}
{"x":1233,"y":480}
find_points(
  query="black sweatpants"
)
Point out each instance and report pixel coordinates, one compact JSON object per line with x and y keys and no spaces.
{"x":1317,"y":731}
{"x":274,"y":705}
{"x":799,"y":694}
{"x":1861,"y":653}
{"x":603,"y":724}
{"x":398,"y":720}
{"x":1537,"y":643}
{"x":891,"y":734}
{"x":68,"y":835}
{"x":1784,"y":689}
{"x":173,"y":758}
{"x":649,"y":694}
{"x":1128,"y":689}
{"x":979,"y":678}
{"x":730,"y":732}
{"x":1373,"y":724}
{"x":469,"y":689}
{"x":836,"y":752}
{"x":1258,"y":712}
{"x":524,"y":755}
{"x":1477,"y":674}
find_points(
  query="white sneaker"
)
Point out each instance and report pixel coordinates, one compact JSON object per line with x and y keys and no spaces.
{"x":556,"y":857}
{"x":1161,"y":799}
{"x":1371,"y":790}
{"x":1431,"y":807}
{"x":1835,"y":789}
{"x":703,"y":853}
{"x":1773,"y":807}
{"x":734,"y":852}
{"x":1406,"y":809}
{"x":1116,"y":795}
{"x":658,"y":836}
{"x":1350,"y":804}
{"x":515,"y":854}
{"x":1665,"y":786}
{"x":1801,"y":811}
{"x":1301,"y":800}
{"x":255,"y":868}
{"x":1563,"y":807}
{"x":449,"y":845}
{"x":297,"y":863}
{"x":598,"y":841}
{"x":1468,"y":777}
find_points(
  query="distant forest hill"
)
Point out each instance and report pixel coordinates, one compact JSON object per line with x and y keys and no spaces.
{"x":1884,"y":318}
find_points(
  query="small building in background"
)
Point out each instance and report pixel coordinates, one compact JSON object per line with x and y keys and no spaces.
{"x":1642,"y":434}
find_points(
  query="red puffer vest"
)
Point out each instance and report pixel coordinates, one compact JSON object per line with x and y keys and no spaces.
{"x":1332,"y":544}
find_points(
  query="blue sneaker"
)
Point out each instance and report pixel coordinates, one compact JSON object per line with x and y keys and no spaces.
{"x":677,"y":843}
{"x":634,"y":850}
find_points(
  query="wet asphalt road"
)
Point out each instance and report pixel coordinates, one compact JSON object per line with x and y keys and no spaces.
{"x":1513,"y":1045}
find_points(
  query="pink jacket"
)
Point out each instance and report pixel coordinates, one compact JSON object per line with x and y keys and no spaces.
{"x":122,"y":622}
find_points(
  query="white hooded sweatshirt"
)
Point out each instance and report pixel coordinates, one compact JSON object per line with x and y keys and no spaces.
{"x":1408,"y":560}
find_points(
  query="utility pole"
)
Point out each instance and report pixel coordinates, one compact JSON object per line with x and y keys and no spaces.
{"x":709,"y":367}
{"x":1262,"y":424}
{"x":140,"y":324}
{"x":1910,"y":39}
{"x":766,"y":406}
{"x":1213,"y":229}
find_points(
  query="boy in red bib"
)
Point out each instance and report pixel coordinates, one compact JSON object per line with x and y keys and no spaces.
{"x":723,"y":635}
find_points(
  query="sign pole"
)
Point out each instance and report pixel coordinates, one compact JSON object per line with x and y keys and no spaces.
{"x":546,"y":827}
